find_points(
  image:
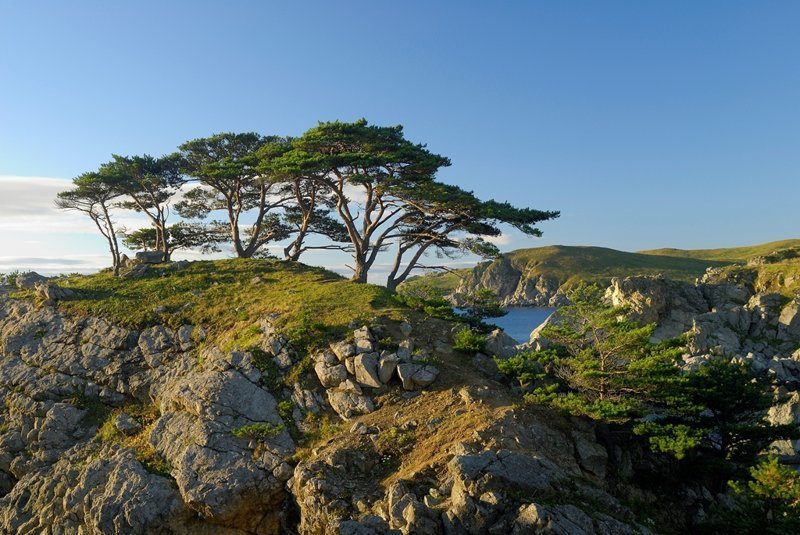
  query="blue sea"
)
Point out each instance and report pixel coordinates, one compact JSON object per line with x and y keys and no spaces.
{"x":520,"y":321}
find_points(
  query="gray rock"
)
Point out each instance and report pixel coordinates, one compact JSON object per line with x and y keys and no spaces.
{"x":789,"y":321}
{"x":591,"y":456}
{"x":343,"y":350}
{"x":330,"y":376}
{"x":126,"y":425}
{"x":347,"y":405}
{"x":51,"y":293}
{"x":386,"y":367}
{"x":554,"y":519}
{"x":155,"y":343}
{"x":425,"y":376}
{"x":364,"y":346}
{"x":27,"y":281}
{"x":363,"y":334}
{"x":406,"y":373}
{"x":150,"y":257}
{"x":366,"y":369}
{"x":499,"y":344}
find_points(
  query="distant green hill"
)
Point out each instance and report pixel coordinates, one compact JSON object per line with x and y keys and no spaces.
{"x":733,"y":254}
{"x":599,"y":264}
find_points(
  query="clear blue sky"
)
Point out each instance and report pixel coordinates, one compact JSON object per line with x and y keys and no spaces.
{"x":647,"y":124}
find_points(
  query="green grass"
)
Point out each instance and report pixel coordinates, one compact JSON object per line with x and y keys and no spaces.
{"x":149,"y":458}
{"x":223,"y":296}
{"x":444,"y":282}
{"x":731,"y":255}
{"x":260,"y":432}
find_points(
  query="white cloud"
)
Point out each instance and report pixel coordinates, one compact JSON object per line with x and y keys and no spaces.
{"x":52,"y":265}
{"x":502,"y":239}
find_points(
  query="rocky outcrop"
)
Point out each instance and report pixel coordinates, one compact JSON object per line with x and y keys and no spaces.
{"x":514,"y":285}
{"x":725,"y":318}
{"x":109,"y":430}
{"x":350,"y":371}
{"x":190,"y":470}
{"x":512,"y":477}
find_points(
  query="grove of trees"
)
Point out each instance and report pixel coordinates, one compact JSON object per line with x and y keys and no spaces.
{"x":352,"y":187}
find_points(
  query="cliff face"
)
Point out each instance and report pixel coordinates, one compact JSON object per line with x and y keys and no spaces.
{"x":726,"y":317}
{"x":109,"y":430}
{"x":515,"y":285}
{"x":539,"y":276}
{"x":184,"y":472}
{"x":106,"y":430}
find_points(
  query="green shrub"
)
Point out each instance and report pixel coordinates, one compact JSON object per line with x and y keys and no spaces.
{"x":428,"y":300}
{"x":270,"y":374}
{"x":11,"y":278}
{"x":528,"y":366}
{"x":467,"y":340}
{"x":769,"y":503}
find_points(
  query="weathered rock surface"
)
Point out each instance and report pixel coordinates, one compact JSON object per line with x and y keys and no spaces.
{"x":726,"y":318}
{"x":60,"y":377}
{"x":513,"y":286}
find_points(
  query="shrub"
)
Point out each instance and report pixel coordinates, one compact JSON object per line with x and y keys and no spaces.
{"x":721,"y":408}
{"x":528,"y":366}
{"x":767,"y":504}
{"x":431,"y":306}
{"x":468,"y":340}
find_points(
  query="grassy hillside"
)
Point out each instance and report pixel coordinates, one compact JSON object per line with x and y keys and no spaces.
{"x":599,"y":264}
{"x":442,"y":282}
{"x":229,"y":297}
{"x":734,"y":254}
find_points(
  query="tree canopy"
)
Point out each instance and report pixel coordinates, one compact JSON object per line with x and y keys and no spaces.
{"x":93,"y":195}
{"x":353,"y":187}
{"x":147,"y":184}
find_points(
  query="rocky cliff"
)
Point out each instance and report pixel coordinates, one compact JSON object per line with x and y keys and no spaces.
{"x":164,"y":429}
{"x":106,"y":430}
{"x":726,"y":316}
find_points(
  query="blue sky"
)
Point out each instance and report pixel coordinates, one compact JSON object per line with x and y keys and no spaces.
{"x":648,"y":124}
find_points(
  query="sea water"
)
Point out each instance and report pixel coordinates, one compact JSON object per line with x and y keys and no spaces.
{"x":520,"y":321}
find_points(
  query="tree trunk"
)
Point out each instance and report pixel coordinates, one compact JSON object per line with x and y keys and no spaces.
{"x":360,"y":272}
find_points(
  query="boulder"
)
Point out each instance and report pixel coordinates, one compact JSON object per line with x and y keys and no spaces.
{"x":364,"y":346}
{"x":330,"y":376}
{"x":425,"y":376}
{"x":366,"y":369}
{"x":343,"y":350}
{"x":500,"y":345}
{"x":363,"y":333}
{"x":51,"y":293}
{"x":27,"y":281}
{"x":554,"y":519}
{"x":386,"y":367}
{"x":789,"y":322}
{"x":406,"y":373}
{"x":150,"y":257}
{"x":347,"y":404}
